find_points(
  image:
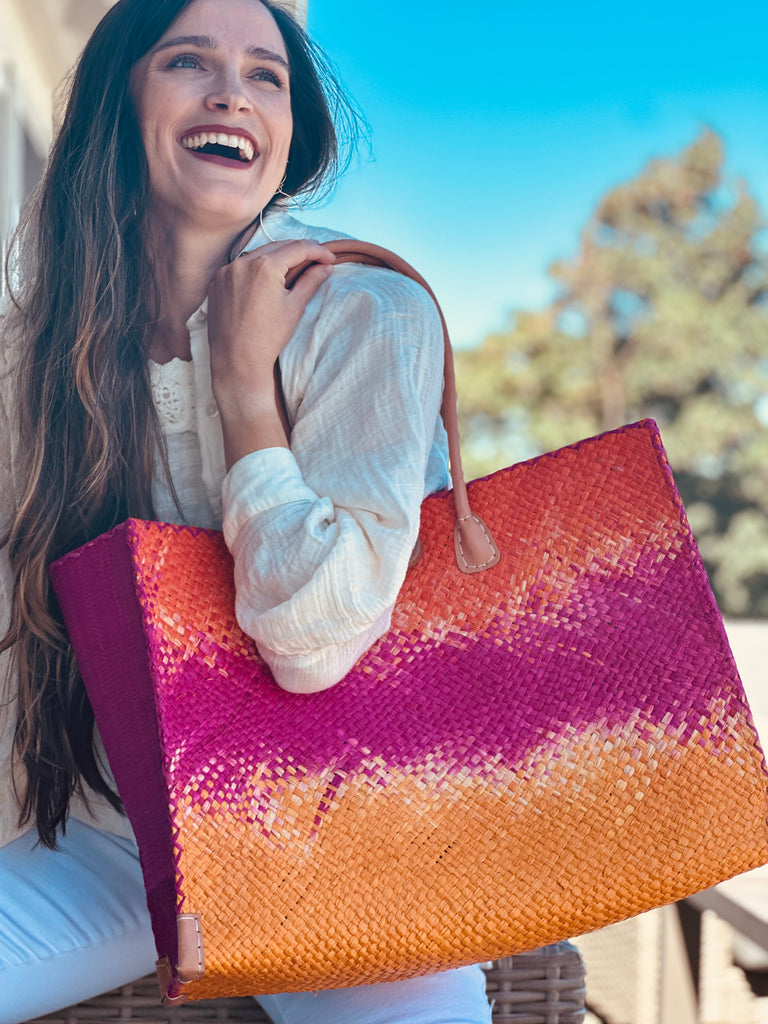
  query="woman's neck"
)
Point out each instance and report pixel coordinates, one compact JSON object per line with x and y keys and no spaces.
{"x":184,"y":264}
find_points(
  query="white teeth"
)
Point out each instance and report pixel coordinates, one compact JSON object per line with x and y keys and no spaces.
{"x":244,"y":146}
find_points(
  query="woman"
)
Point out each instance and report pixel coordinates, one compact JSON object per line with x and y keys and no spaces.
{"x":138,"y":379}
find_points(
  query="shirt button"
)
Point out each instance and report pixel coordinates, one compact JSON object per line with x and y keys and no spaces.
{"x":211,"y":410}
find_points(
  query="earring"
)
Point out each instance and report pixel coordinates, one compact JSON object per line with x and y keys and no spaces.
{"x":261,"y":225}
{"x":278,"y":192}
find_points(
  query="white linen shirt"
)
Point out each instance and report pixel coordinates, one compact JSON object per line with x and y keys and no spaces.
{"x":321,"y":534}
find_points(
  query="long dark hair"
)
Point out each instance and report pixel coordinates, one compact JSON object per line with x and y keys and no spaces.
{"x":84,"y":304}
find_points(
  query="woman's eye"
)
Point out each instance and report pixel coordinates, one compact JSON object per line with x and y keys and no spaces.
{"x":268,"y":76}
{"x":185,"y":60}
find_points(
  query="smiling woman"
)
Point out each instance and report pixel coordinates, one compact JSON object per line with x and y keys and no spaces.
{"x":139,"y":370}
{"x":193,"y":93}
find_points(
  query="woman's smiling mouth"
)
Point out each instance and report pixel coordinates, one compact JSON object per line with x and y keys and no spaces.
{"x":221,"y":144}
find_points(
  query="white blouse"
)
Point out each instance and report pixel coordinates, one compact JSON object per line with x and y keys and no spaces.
{"x":320,"y":534}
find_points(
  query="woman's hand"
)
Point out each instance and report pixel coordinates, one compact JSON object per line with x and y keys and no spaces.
{"x":251,"y":316}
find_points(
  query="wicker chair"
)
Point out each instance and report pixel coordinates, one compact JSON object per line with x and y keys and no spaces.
{"x":542,"y":987}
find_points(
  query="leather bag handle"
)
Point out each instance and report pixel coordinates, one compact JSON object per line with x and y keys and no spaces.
{"x":476,"y":550}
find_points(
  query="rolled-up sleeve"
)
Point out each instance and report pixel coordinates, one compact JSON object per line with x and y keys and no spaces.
{"x":321,"y":534}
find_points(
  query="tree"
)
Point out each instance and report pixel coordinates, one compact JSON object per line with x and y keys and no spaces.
{"x":662,"y":312}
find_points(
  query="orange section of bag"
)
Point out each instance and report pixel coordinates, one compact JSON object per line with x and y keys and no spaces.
{"x":657,"y":788}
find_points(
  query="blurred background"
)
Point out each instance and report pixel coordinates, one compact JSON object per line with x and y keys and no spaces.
{"x":585,"y":188}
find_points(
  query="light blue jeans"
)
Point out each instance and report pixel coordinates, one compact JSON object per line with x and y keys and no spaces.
{"x":74,"y":924}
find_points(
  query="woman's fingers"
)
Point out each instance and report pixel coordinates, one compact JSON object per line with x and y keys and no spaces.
{"x":252,"y":314}
{"x":288,"y":256}
{"x":309,"y":281}
{"x":281,"y":277}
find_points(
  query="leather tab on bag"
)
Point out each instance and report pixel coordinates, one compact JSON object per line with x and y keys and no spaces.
{"x":191,"y":966}
{"x":476,"y":549}
{"x":165,"y":981}
{"x":169,"y":1000}
{"x":418,"y":551}
{"x":164,"y":975}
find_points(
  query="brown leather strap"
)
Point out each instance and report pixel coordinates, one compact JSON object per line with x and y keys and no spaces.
{"x":476,"y":549}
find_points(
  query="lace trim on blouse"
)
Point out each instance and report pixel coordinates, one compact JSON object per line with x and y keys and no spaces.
{"x":173,"y":392}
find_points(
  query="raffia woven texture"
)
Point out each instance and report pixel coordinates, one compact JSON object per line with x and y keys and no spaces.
{"x":530,"y":753}
{"x":545,"y":986}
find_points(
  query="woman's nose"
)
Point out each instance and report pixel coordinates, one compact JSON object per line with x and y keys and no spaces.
{"x":228,"y":94}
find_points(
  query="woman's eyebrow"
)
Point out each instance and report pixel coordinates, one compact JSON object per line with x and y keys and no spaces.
{"x":203,"y":42}
{"x":261,"y":53}
{"x":209,"y":43}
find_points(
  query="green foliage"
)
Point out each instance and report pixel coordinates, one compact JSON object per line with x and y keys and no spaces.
{"x":662,"y":312}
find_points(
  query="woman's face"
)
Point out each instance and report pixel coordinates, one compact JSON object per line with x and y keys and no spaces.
{"x":214,"y":109}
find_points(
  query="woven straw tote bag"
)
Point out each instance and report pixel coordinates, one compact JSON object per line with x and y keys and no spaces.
{"x":551,"y":737}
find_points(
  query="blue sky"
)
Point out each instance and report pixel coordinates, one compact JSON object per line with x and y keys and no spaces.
{"x":497,"y":126}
